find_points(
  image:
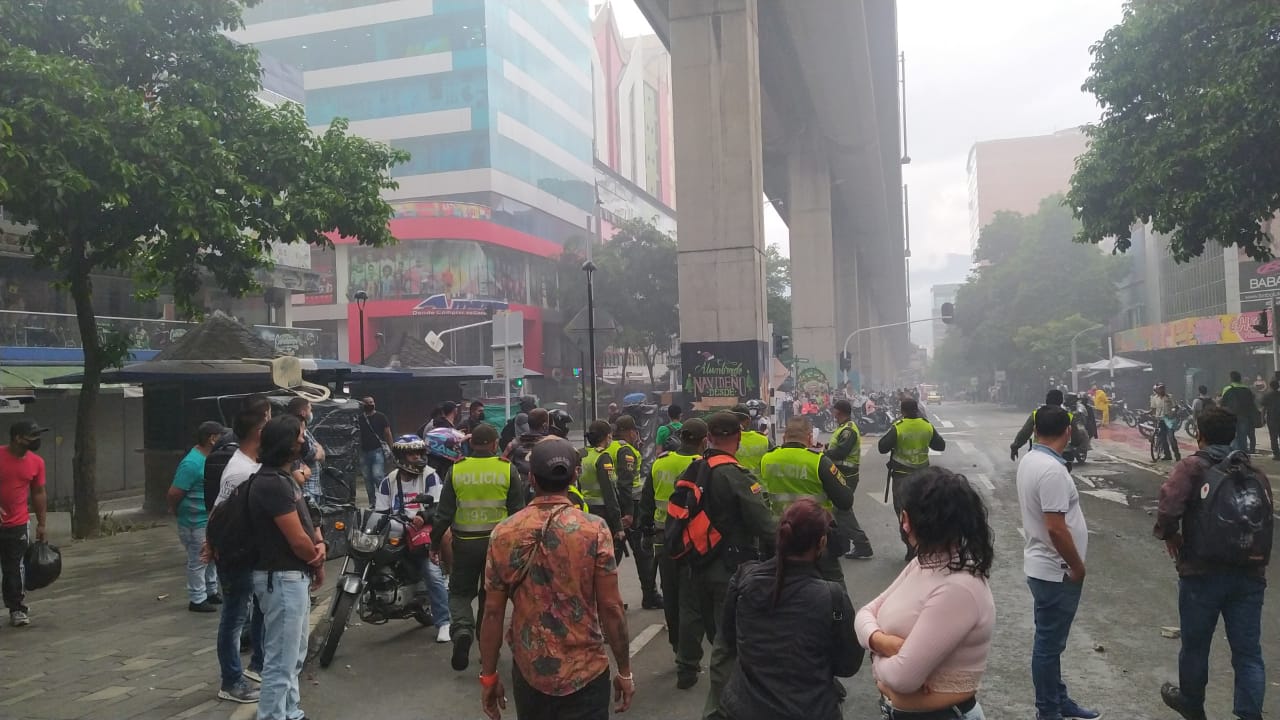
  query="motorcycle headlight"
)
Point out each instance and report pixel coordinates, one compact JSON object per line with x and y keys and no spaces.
{"x":364,"y":542}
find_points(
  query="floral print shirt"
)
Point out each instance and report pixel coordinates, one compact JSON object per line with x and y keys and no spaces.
{"x":547,"y":559}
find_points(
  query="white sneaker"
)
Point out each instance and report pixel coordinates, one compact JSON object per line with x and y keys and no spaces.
{"x":18,"y":618}
{"x":443,"y":635}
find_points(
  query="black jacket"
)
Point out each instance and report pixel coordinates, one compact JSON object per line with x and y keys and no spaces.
{"x":789,"y":654}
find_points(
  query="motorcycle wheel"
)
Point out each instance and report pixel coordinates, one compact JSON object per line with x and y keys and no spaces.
{"x":341,"y":613}
{"x":1130,"y":419}
{"x":423,"y":616}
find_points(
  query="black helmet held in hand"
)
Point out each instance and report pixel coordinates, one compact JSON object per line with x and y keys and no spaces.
{"x":559,"y":422}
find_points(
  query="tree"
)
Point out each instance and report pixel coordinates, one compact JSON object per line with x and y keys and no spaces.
{"x":1190,"y":91}
{"x":133,"y":141}
{"x":1014,"y":308}
{"x":778,"y":290}
{"x":638,"y":275}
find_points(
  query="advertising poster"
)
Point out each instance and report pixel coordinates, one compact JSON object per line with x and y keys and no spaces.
{"x":720,"y":372}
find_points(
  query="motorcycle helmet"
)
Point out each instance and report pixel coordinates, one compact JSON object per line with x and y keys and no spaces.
{"x":755,"y":408}
{"x":560,"y":421}
{"x":445,"y":444}
{"x":408,"y":451}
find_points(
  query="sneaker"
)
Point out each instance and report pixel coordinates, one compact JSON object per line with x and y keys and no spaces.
{"x":461,"y":652}
{"x":1071,"y":710}
{"x":204,"y":607}
{"x":442,"y":634}
{"x":18,"y":618}
{"x":1172,"y":696}
{"x":860,"y":553}
{"x":652,"y":601}
{"x":254,"y":675}
{"x":214,"y":599}
{"x":239,"y":693}
{"x":684,"y":682}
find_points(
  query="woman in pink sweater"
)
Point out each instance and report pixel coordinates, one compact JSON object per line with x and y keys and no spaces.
{"x":930,"y":632}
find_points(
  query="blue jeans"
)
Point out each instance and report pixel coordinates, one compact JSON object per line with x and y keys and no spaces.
{"x":202,"y":579}
{"x":1244,"y":427}
{"x":437,"y":590}
{"x":1238,"y":598}
{"x":1055,"y":605}
{"x":238,"y":607}
{"x":285,"y":599}
{"x":373,"y":467}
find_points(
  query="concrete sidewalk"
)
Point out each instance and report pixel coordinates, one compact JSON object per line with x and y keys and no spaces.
{"x":1127,"y":444}
{"x":113,"y":638}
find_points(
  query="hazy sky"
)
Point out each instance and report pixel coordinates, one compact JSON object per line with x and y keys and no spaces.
{"x":976,"y":70}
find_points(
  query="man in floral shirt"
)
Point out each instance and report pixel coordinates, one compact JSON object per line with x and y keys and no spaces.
{"x":556,"y":565}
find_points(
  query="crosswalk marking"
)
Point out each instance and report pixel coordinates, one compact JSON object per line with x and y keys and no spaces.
{"x":966,"y":447}
{"x":946,"y":423}
{"x":983,"y":480}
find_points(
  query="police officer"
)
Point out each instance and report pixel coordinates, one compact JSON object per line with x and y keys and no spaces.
{"x":597,"y":482}
{"x":684,"y":617}
{"x":754,"y":444}
{"x":735,"y":506}
{"x":909,"y":440}
{"x":845,"y":450}
{"x":1053,"y":398}
{"x":626,"y":462}
{"x":793,"y":471}
{"x":479,"y":492}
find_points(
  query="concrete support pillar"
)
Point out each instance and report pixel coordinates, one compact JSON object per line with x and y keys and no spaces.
{"x":813,"y":296}
{"x":719,"y":186}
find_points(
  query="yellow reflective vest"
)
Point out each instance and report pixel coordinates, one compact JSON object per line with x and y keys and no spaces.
{"x":481,"y":486}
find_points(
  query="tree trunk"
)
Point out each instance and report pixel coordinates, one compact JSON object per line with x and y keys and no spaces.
{"x":650,"y":357}
{"x":84,"y":465}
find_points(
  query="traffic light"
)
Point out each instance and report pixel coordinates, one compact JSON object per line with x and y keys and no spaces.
{"x":846,"y":361}
{"x":1262,"y":325}
{"x":781,"y":344}
{"x":577,"y":372}
{"x":948,"y":313}
{"x":517,"y":383}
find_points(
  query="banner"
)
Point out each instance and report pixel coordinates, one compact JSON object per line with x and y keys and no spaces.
{"x":723,"y":371}
{"x":1190,"y":332}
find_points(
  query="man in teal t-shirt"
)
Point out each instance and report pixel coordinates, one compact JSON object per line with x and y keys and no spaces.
{"x":186,"y":501}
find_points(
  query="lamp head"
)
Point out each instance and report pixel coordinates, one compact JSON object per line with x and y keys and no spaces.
{"x":588,"y":267}
{"x":361,"y":297}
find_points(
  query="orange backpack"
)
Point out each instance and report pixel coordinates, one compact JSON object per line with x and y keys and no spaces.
{"x":690,"y":535}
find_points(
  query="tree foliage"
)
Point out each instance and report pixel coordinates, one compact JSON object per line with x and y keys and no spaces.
{"x":1190,"y":91}
{"x":778,"y":290}
{"x":133,"y":141}
{"x":1033,"y":285}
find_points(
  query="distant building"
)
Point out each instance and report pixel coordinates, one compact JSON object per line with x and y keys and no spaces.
{"x":1015,"y":174}
{"x":945,"y":293}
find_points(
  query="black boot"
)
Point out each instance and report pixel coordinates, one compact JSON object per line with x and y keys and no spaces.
{"x":1172,"y":696}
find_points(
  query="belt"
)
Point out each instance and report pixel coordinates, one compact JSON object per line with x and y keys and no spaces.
{"x":951,"y":713}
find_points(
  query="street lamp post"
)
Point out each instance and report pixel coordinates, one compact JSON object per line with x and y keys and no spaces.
{"x":1075,"y":369}
{"x":361,"y":297}
{"x":589,"y":268}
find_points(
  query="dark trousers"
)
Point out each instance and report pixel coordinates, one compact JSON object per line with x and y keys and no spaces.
{"x":899,"y":478}
{"x":710,"y":591}
{"x":642,"y":553}
{"x":1055,"y":605}
{"x":1273,"y":429}
{"x":1244,"y":429}
{"x":684,"y":615}
{"x":466,"y":583}
{"x":848,"y":523}
{"x":1238,"y":599}
{"x":13,"y":545}
{"x":589,"y":703}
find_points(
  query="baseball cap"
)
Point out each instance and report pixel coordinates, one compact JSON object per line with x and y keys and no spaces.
{"x":742,"y":410}
{"x":625,"y":422}
{"x":693,"y":430}
{"x":724,"y":423}
{"x":26,"y":427}
{"x":554,"y":459}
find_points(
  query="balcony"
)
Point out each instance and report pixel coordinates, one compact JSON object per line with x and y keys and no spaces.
{"x":55,"y":336}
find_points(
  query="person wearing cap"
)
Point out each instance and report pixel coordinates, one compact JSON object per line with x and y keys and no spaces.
{"x":597,"y":481}
{"x":21,"y":482}
{"x":754,"y":444}
{"x":795,"y":470}
{"x":514,"y":426}
{"x":186,"y":501}
{"x":626,"y":463}
{"x":480,"y":491}
{"x":683,"y":616}
{"x":734,"y":503}
{"x":448,"y":415}
{"x":845,"y":450}
{"x":907,"y":443}
{"x":553,"y":562}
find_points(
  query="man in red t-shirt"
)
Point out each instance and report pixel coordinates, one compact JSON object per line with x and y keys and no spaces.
{"x":21,"y":480}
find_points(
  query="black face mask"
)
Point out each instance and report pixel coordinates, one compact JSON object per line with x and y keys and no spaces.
{"x":33,"y":445}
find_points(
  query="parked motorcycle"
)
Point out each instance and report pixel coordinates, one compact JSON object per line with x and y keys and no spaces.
{"x":380,"y":577}
{"x":824,"y":420}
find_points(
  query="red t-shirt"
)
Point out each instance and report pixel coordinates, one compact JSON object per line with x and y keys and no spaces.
{"x":17,"y":476}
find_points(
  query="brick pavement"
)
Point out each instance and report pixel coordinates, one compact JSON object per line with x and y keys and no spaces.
{"x":112,"y":638}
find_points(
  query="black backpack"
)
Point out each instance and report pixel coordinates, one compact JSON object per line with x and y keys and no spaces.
{"x":1231,"y":521}
{"x":230,"y":530}
{"x":672,"y":443}
{"x":689,"y":534}
{"x":217,"y":461}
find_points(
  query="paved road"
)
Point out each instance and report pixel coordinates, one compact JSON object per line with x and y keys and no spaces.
{"x":103,"y":645}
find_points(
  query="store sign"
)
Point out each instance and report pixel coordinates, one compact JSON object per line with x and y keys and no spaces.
{"x":1259,"y":283}
{"x":722,"y":370}
{"x":441,"y":304}
{"x":813,"y":381}
{"x":466,"y":211}
{"x":1190,"y":332}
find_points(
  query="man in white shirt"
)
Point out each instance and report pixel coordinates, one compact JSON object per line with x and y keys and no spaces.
{"x":1053,"y":559}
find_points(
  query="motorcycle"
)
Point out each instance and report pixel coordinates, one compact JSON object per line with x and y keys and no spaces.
{"x":876,"y":421}
{"x":824,"y":420}
{"x":380,"y":576}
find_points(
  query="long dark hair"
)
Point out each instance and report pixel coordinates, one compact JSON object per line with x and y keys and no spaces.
{"x":949,"y":521}
{"x":801,"y":529}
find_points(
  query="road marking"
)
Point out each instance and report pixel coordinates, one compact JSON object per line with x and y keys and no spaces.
{"x":946,"y":424}
{"x":879,"y":498}
{"x":1023,"y":533}
{"x":1114,"y":496}
{"x":966,"y":447}
{"x":1085,"y":479}
{"x":639,"y":641}
{"x":983,"y":480}
{"x":1130,"y":463}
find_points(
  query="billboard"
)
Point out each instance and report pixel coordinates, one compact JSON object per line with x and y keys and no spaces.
{"x":1259,"y":283}
{"x":1189,"y":332}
